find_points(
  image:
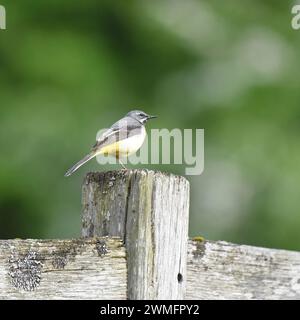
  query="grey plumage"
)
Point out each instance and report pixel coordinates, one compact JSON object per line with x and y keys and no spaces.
{"x":122,"y":129}
{"x":132,"y":124}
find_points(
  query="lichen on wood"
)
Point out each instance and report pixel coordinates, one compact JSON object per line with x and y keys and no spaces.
{"x":25,"y":270}
{"x":222,"y":270}
{"x":63,"y":269}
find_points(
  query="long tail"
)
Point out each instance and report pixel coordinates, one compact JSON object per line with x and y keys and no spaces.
{"x":80,"y":163}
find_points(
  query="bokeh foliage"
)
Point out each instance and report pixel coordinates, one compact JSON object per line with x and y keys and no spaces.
{"x":69,"y":68}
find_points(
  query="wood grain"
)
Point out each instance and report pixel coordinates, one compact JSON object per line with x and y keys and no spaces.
{"x":96,"y":269}
{"x":149,"y":210}
{"x":222,"y":270}
{"x":63,"y":269}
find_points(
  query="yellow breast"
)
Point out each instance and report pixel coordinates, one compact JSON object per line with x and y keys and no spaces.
{"x":125,"y":147}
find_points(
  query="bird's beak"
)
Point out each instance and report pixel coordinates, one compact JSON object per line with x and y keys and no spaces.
{"x":152,"y":117}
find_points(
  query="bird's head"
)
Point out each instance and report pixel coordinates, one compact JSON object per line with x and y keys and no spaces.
{"x":140,"y":116}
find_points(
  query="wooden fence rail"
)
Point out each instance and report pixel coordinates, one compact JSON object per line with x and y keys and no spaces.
{"x":135,"y":246}
{"x":62,"y":269}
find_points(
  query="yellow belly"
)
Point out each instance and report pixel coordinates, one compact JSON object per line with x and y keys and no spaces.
{"x":124,"y":147}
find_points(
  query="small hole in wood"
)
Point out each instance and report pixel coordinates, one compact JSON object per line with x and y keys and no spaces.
{"x":179,"y":277}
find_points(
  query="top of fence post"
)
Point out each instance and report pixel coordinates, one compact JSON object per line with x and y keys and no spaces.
{"x":149,"y":210}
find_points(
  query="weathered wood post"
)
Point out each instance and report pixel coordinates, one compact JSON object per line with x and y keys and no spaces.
{"x":149,"y":210}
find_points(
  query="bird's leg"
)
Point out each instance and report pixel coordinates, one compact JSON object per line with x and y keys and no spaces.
{"x":118,"y":157}
{"x":122,"y":164}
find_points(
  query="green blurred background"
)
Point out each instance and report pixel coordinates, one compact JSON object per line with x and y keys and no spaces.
{"x":69,"y":68}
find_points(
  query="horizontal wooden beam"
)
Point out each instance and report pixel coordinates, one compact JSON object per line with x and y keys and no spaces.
{"x":63,"y":269}
{"x":222,"y":270}
{"x":95,"y":268}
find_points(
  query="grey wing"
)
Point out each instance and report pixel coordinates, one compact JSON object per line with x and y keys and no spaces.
{"x":120,"y":130}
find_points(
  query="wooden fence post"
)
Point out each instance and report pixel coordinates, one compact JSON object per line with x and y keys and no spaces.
{"x":149,"y":210}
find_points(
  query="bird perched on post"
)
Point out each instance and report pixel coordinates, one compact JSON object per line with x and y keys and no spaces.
{"x":123,"y":138}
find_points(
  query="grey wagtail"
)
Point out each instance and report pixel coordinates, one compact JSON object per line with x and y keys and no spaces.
{"x":123,"y":138}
